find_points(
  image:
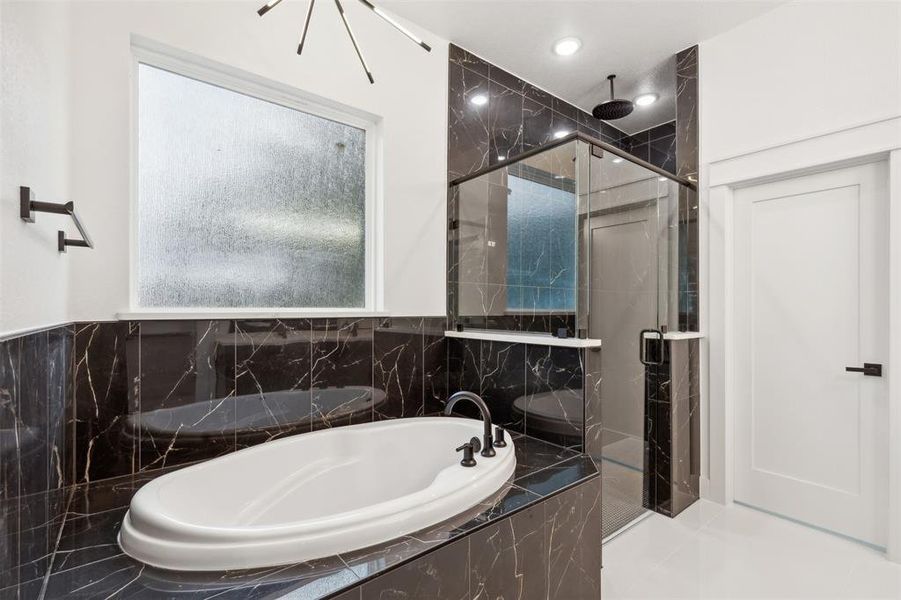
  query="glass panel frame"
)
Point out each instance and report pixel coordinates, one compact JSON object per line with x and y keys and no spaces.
{"x":633,"y":227}
{"x":493,"y":283}
{"x":629,"y":246}
{"x":478,"y":304}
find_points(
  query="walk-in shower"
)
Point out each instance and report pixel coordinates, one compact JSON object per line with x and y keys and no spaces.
{"x":579,"y":240}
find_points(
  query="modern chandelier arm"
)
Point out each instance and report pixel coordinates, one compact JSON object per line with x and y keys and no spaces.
{"x":388,"y":18}
{"x":353,"y":40}
{"x":267,"y":7}
{"x":306,"y":27}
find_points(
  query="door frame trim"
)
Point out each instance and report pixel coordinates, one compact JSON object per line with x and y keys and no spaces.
{"x":869,"y":142}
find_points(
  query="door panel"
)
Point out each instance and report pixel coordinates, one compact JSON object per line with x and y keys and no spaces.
{"x":810,"y":299}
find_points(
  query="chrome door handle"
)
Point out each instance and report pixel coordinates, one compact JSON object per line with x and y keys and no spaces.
{"x":870,"y":369}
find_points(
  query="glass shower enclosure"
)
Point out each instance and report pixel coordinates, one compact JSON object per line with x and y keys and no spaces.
{"x":577,"y":239}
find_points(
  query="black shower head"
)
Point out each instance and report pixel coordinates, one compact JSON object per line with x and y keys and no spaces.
{"x":613,"y":108}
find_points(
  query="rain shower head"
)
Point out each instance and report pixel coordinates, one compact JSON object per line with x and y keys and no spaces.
{"x":613,"y":108}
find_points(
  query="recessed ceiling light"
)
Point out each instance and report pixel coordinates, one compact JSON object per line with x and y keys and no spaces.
{"x":479,"y":99}
{"x":617,"y":160}
{"x":646,"y":99}
{"x":567,"y":46}
{"x":560,"y":134}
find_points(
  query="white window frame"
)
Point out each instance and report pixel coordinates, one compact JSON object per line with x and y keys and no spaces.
{"x":156,"y":55}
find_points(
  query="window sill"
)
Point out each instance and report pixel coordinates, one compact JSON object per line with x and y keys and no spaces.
{"x":180,"y":314}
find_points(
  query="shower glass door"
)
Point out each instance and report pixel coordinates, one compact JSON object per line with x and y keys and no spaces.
{"x":579,"y":241}
{"x":627,"y":234}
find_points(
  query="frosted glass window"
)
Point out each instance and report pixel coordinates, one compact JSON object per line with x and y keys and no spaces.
{"x":541,"y":246}
{"x":245,"y":203}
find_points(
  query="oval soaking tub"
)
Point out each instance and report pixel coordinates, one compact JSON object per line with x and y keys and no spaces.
{"x":310,"y":496}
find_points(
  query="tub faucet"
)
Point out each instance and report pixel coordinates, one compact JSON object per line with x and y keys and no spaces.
{"x":487,"y":439}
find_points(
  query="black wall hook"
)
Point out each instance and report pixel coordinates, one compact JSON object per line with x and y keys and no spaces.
{"x":28,"y":206}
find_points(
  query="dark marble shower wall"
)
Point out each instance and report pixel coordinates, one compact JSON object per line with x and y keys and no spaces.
{"x":672,"y":434}
{"x":672,"y":390}
{"x":531,"y":389}
{"x":688,"y":160}
{"x":656,"y":145}
{"x":517,"y":116}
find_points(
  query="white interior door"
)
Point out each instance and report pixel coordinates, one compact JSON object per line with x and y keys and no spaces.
{"x":811,"y":298}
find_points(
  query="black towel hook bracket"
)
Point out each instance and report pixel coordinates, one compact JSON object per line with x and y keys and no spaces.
{"x":28,"y":206}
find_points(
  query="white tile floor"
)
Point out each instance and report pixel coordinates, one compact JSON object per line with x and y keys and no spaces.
{"x":713,"y":552}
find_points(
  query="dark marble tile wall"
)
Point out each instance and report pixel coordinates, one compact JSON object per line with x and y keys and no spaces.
{"x":551,"y":550}
{"x":98,"y":400}
{"x":687,"y":166}
{"x":656,"y":145}
{"x":101,"y":435}
{"x":154,"y":394}
{"x":33,"y":390}
{"x":493,"y":115}
{"x":531,"y":389}
{"x":593,"y":404}
{"x":672,"y":434}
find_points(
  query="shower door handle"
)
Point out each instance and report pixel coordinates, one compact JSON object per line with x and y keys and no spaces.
{"x":642,"y":348}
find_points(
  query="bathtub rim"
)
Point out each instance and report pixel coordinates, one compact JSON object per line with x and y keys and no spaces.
{"x":218,"y":546}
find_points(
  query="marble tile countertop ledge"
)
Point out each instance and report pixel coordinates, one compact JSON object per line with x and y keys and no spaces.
{"x":87,"y":562}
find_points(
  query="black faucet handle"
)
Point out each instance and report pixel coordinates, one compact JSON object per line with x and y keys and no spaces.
{"x":499,"y":439}
{"x":469,"y":449}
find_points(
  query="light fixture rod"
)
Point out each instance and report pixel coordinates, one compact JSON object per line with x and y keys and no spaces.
{"x":353,"y":40}
{"x":267,"y":7}
{"x":395,"y":24}
{"x":306,"y":26}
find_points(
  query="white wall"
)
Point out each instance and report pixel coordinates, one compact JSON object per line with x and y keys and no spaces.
{"x":34,"y":125}
{"x":806,"y":85}
{"x":410,"y":96}
{"x":803,"y":69}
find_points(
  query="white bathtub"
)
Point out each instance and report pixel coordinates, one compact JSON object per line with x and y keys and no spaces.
{"x":311,"y":495}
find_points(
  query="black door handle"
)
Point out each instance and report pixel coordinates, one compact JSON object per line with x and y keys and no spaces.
{"x":642,"y":348}
{"x":871,"y":369}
